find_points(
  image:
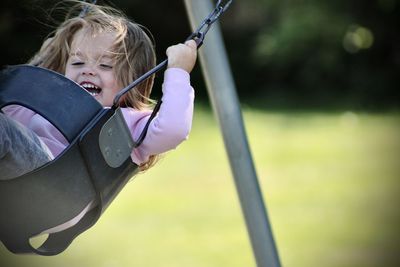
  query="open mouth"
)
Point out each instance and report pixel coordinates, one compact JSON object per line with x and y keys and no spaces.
{"x":94,"y":90}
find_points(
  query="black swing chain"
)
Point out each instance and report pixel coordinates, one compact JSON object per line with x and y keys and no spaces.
{"x":197,"y":35}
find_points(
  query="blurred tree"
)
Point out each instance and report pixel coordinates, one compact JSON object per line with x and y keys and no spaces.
{"x":321,"y":53}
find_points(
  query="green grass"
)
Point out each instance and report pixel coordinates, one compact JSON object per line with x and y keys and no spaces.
{"x":330,"y":182}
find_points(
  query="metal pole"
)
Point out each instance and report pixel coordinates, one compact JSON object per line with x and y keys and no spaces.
{"x":222,"y":92}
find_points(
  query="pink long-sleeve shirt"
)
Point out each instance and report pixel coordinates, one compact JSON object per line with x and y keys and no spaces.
{"x":169,"y":128}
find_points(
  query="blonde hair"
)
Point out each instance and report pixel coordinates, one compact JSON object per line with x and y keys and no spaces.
{"x":133,"y":50}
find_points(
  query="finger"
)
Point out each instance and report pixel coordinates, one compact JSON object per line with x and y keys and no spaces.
{"x":191,"y":43}
{"x":169,"y":49}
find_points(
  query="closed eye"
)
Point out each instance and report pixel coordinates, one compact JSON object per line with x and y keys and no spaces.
{"x":106,"y":66}
{"x":77,"y":63}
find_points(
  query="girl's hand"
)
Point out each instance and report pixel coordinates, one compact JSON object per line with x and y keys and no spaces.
{"x":182,"y":56}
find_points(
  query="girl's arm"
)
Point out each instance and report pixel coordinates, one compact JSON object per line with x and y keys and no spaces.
{"x":173,"y":122}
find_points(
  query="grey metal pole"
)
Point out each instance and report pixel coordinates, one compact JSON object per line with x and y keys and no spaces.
{"x":222,"y":92}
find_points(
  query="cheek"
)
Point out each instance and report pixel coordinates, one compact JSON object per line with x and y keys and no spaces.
{"x":69,"y":73}
{"x":113,"y":83}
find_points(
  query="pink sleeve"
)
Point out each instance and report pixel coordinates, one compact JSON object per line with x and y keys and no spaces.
{"x":19,"y":113}
{"x":45,"y":131}
{"x":173,"y":122}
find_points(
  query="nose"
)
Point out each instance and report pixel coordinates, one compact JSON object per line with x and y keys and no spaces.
{"x":89,"y":70}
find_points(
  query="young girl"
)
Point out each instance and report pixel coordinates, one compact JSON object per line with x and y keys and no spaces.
{"x":103,"y":52}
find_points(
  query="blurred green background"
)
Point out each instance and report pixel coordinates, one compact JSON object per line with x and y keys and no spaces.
{"x":318,"y":83}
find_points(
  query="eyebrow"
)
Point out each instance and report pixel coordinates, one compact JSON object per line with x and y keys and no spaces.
{"x":103,"y":56}
{"x":78,"y":53}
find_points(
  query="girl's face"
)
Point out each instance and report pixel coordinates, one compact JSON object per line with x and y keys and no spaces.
{"x":91,"y":65}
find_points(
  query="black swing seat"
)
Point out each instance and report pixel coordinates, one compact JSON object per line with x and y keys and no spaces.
{"x":94,"y":167}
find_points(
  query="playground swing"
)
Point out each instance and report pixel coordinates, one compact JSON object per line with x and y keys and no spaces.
{"x":92,"y":169}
